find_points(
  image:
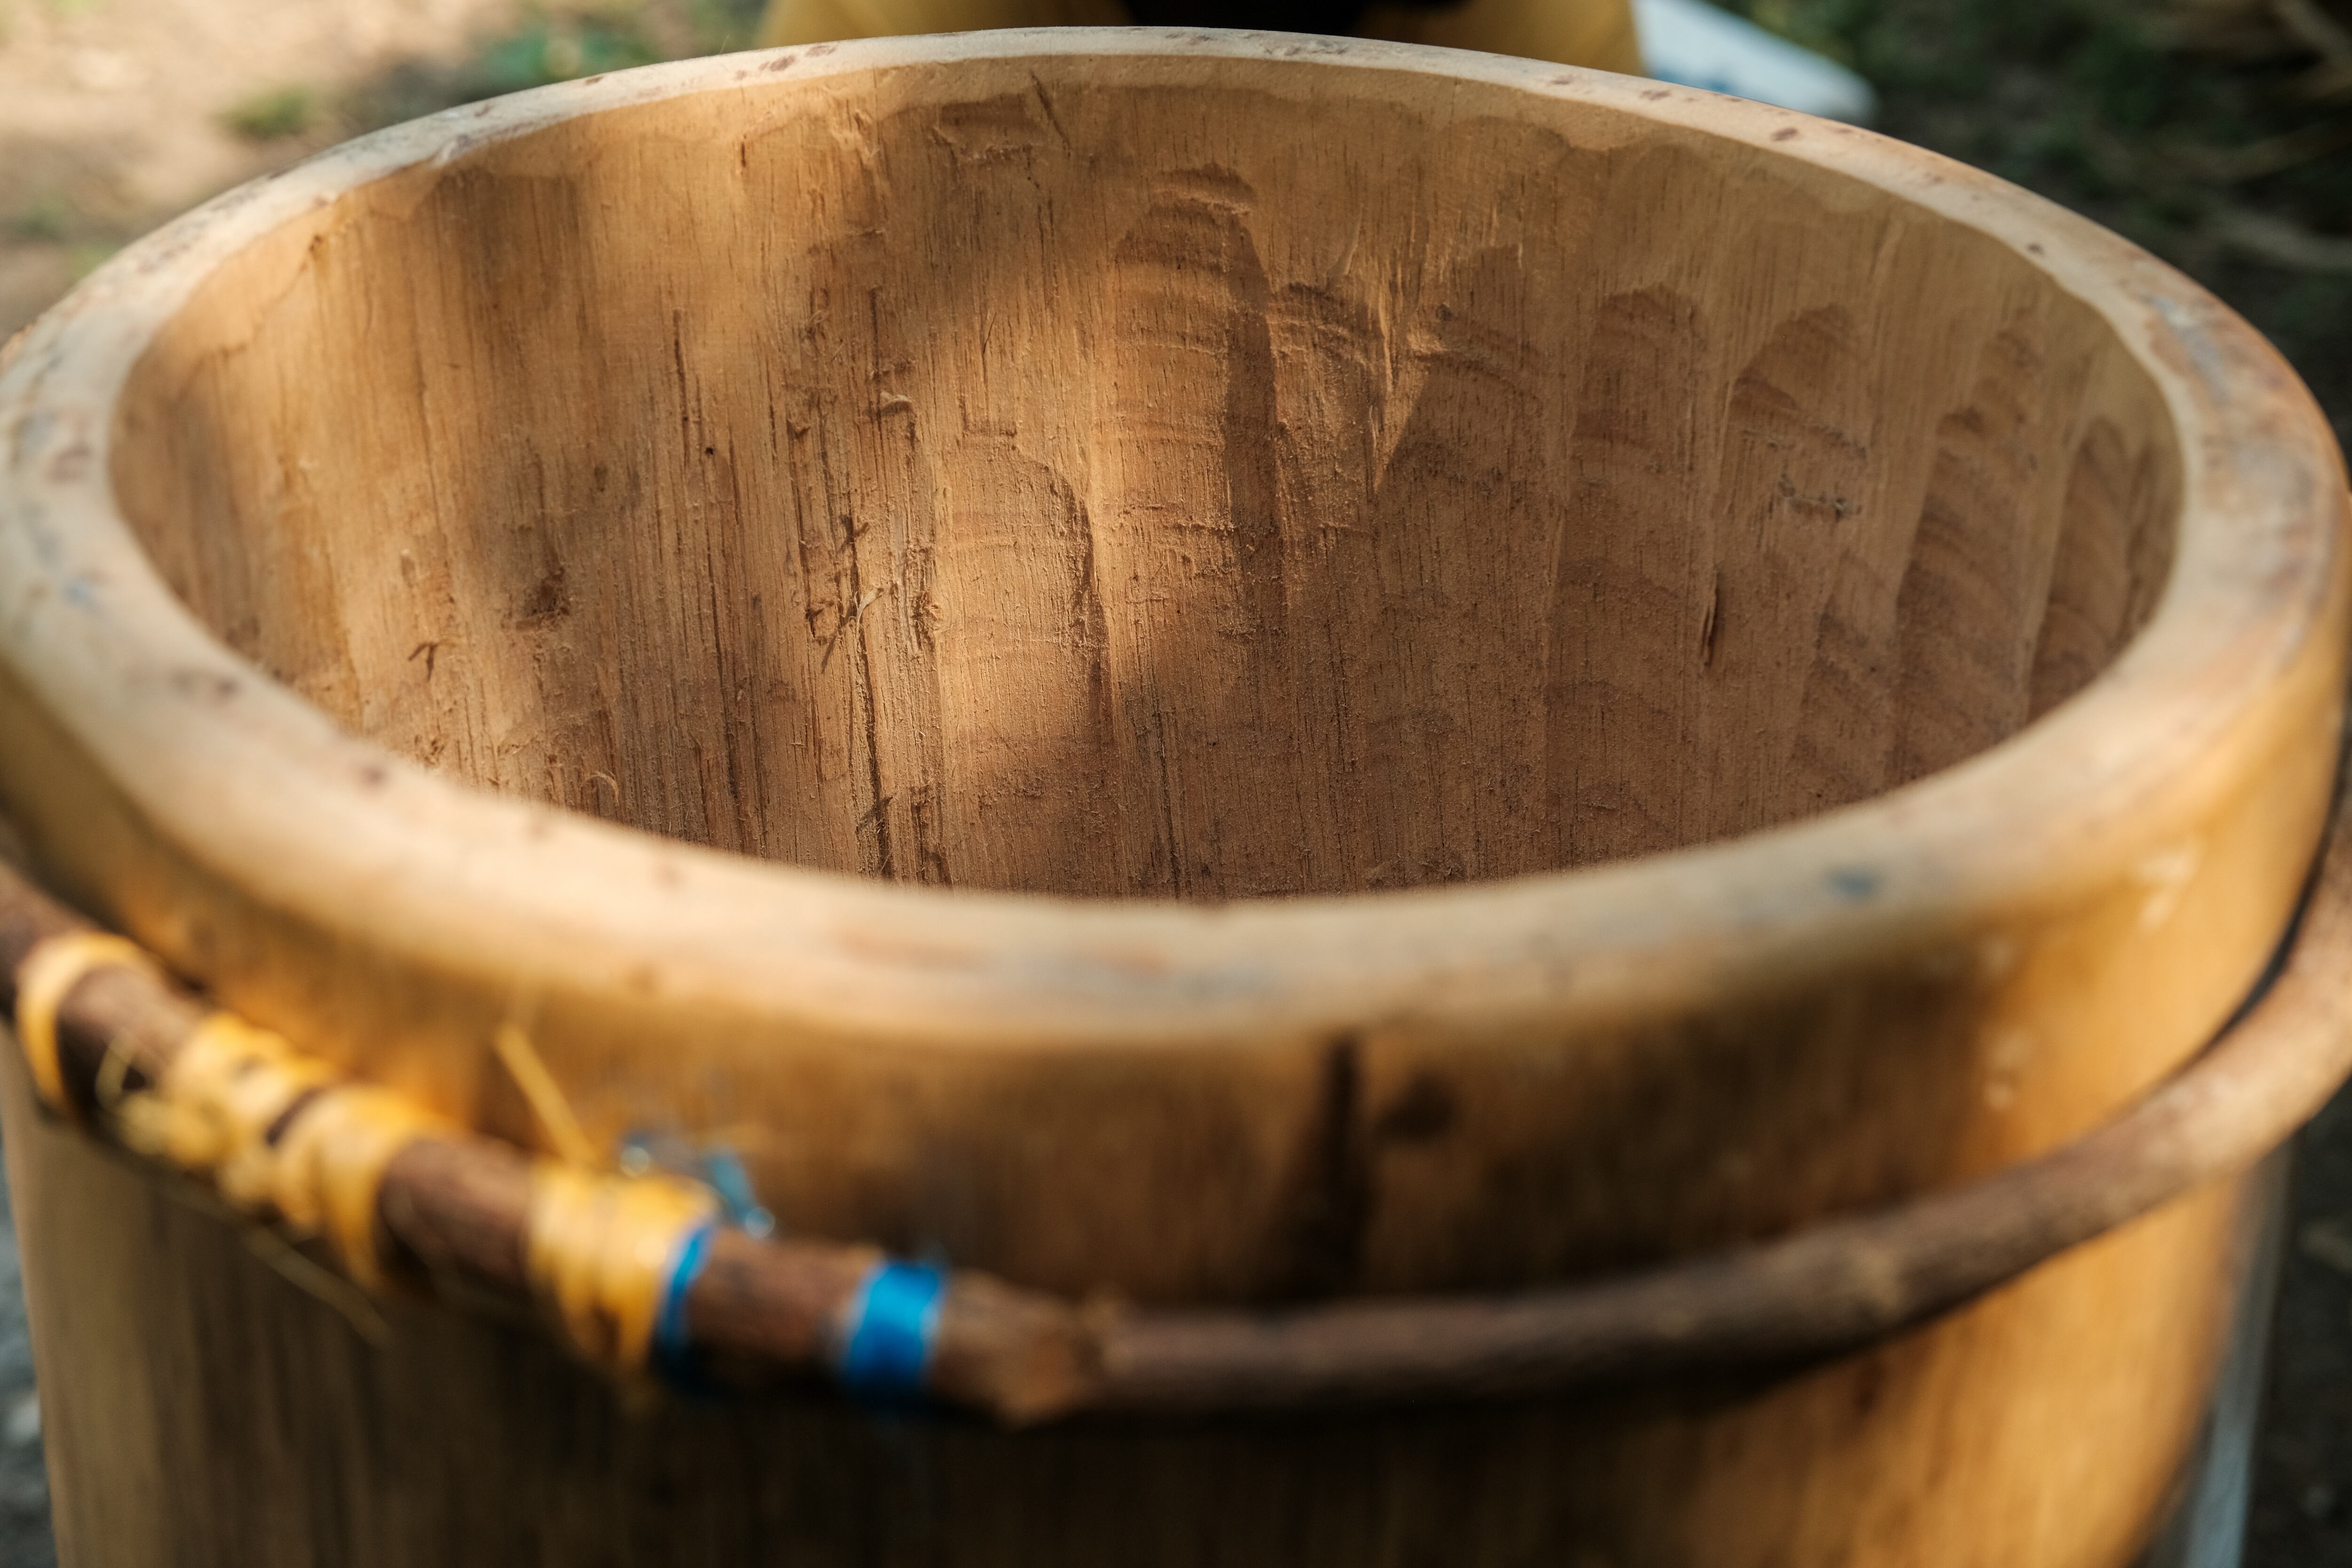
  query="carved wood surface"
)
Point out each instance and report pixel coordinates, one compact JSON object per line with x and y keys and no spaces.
{"x":1469,"y":674}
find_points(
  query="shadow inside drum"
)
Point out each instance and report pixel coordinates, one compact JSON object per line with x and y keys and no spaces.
{"x":1071,"y":491}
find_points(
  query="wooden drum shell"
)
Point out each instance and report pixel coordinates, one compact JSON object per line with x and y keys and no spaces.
{"x":1605,"y":1045}
{"x":202,"y":1409}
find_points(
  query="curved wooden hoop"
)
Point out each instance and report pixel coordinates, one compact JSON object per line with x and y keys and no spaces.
{"x":458,"y":1213}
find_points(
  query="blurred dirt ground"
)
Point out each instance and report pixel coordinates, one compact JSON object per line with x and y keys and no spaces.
{"x":117,"y":114}
{"x":2216,"y":132}
{"x":24,"y":1481}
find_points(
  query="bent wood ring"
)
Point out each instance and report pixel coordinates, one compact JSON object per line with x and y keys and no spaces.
{"x":455,"y":1210}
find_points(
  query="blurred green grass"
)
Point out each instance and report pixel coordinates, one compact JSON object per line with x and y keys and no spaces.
{"x":274,"y":114}
{"x":556,"y":43}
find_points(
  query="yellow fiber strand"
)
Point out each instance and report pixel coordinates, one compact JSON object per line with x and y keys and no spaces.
{"x":546,"y":1097}
{"x":231,"y":1087}
{"x":43,"y":980}
{"x":600,"y":1252}
{"x":330,"y":1166}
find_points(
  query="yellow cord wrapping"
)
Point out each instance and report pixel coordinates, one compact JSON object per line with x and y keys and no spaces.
{"x":43,"y":980}
{"x":600,"y":1251}
{"x":331,"y":1165}
{"x":231,"y":1084}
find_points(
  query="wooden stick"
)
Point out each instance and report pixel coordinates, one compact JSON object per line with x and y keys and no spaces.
{"x":456,"y":1210}
{"x":1831,"y":1287}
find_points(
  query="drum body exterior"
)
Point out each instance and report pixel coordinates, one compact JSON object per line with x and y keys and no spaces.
{"x":1221,"y":667}
{"x":201,"y":1408}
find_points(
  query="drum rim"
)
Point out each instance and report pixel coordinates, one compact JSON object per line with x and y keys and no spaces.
{"x":2216,"y":684}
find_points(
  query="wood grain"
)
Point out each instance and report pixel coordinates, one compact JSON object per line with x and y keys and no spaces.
{"x":1028,"y":502}
{"x":1228,"y":670}
{"x":216,"y":1415}
{"x":453,"y":1215}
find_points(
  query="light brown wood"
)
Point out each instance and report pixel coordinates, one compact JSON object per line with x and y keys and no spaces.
{"x":258,"y":1430}
{"x":1280,"y":478}
{"x":454,"y":1213}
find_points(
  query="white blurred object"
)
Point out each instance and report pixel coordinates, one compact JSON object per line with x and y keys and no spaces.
{"x":1697,"y":45}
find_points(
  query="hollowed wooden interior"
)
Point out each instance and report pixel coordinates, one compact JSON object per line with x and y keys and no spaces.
{"x":1017,"y":478}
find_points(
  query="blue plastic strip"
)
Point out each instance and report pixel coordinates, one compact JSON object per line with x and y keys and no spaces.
{"x":671,"y":1340}
{"x":892,"y":1322}
{"x":723,"y":1173}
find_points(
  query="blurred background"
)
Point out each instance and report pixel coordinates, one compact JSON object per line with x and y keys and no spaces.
{"x":2218,"y":133}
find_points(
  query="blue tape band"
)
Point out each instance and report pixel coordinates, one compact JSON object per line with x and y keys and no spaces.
{"x":670,"y":1337}
{"x":887,"y":1348}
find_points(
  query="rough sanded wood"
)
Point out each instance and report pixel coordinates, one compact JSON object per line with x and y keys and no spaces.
{"x":1259,"y":669}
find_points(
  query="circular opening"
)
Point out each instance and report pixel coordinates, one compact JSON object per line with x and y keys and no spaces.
{"x":1028,"y":477}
